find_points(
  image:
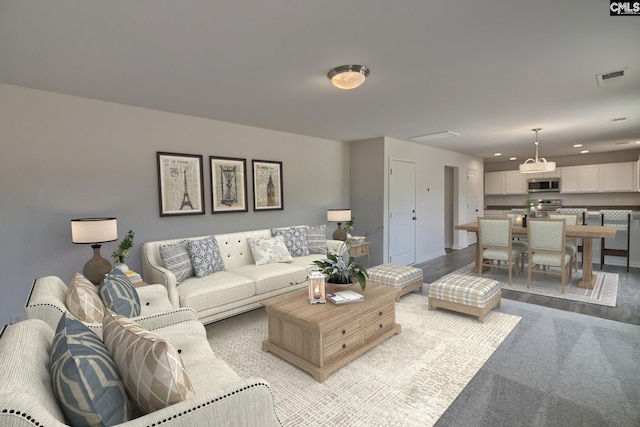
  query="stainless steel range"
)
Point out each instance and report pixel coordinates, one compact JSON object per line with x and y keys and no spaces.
{"x":544,"y":206}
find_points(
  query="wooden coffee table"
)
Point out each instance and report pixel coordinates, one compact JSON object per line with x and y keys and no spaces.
{"x":320,"y":338}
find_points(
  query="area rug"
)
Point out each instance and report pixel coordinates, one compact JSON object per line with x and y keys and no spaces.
{"x":604,"y":292}
{"x":408,"y":380}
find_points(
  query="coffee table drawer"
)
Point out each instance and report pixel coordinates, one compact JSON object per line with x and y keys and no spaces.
{"x":339,"y":333}
{"x":379,"y":313}
{"x":378,"y":326}
{"x":347,"y":343}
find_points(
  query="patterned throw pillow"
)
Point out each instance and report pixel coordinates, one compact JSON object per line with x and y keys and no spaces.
{"x":269,"y":250}
{"x":317,"y":239}
{"x":295,"y":238}
{"x":84,"y":377}
{"x":175,"y":257}
{"x":83,"y":300}
{"x":205,"y":256}
{"x":119,"y":294}
{"x":151,"y":368}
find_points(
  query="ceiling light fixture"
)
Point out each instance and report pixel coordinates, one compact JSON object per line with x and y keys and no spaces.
{"x":537,"y":164}
{"x":348,"y":76}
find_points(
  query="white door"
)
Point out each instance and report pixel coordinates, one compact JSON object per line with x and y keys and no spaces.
{"x":473,"y":184}
{"x":402,"y":212}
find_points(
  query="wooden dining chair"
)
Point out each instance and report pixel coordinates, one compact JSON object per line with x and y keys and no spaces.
{"x":571,"y":244}
{"x":495,"y":244}
{"x":547,"y":248}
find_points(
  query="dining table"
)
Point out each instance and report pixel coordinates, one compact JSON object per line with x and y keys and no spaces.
{"x":585,"y":232}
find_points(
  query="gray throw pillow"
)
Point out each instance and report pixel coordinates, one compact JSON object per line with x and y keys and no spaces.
{"x":205,"y":256}
{"x":295,"y":238}
{"x":175,"y":257}
{"x":317,"y":239}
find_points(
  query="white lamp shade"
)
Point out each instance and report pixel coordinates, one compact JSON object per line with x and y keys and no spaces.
{"x":94,"y":230}
{"x":535,"y":167}
{"x":338,"y":215}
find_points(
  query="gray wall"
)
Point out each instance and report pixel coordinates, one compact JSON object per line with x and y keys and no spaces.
{"x":65,"y":157}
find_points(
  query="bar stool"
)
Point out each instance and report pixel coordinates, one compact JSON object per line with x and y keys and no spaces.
{"x":582,"y":216}
{"x":620,"y":219}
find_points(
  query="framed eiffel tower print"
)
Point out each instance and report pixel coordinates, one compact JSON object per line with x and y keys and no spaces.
{"x":180,"y":184}
{"x":228,"y":184}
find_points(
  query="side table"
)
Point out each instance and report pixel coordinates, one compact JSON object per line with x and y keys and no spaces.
{"x":360,"y":250}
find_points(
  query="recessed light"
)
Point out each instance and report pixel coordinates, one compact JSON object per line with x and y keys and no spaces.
{"x":584,"y":151}
{"x":637,"y":142}
{"x":513,"y":158}
{"x":577,"y":145}
{"x":498,"y":154}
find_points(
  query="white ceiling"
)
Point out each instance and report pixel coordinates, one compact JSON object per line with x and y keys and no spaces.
{"x":490,"y":70}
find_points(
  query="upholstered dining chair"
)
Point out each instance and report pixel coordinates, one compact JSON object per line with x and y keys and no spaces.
{"x":621,"y":219}
{"x":518,"y":244}
{"x":495,"y":244}
{"x":571,"y":244}
{"x":547,"y":248}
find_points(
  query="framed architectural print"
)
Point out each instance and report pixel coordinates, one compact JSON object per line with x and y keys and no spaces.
{"x":180,"y":184}
{"x":267,"y":185}
{"x":228,"y":184}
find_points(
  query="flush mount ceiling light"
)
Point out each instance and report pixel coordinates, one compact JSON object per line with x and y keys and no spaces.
{"x":537,"y":164}
{"x":348,"y":76}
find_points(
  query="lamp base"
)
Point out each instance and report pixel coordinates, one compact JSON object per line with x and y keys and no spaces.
{"x":97,"y":267}
{"x":340,"y":234}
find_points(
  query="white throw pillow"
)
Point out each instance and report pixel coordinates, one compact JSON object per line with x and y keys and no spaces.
{"x":269,"y":250}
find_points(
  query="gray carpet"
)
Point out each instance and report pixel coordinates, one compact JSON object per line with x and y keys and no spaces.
{"x":556,"y":368}
{"x":604,"y":292}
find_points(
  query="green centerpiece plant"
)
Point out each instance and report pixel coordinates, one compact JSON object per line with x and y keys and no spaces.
{"x":341,"y":268}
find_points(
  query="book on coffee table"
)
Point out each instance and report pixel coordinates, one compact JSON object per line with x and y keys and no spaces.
{"x":345,"y":297}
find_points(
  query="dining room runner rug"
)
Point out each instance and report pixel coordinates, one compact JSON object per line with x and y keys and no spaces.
{"x":408,"y":380}
{"x":604,"y":292}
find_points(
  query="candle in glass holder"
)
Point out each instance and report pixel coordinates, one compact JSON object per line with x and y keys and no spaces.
{"x":316,"y":287}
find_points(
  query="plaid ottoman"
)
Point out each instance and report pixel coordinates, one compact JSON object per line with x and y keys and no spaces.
{"x":465,"y":294}
{"x":402,"y":277}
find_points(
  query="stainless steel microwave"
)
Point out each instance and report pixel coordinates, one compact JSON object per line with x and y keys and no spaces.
{"x":543,"y":185}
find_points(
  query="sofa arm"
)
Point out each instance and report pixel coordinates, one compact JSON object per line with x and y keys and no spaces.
{"x":46,"y":300}
{"x":168,"y":318}
{"x":154,"y":273}
{"x":333,"y":245}
{"x":248,"y":402}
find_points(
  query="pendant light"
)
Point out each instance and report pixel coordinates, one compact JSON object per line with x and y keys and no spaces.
{"x":538,"y":164}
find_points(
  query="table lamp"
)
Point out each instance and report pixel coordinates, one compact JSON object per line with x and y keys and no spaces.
{"x":339,"y":215}
{"x":94,"y":231}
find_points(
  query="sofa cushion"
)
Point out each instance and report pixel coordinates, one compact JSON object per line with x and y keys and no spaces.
{"x":269,"y":250}
{"x":85,"y":378}
{"x":83,"y":300}
{"x":270,"y":277}
{"x":295,"y":238}
{"x":205,"y":256}
{"x":175,"y":257}
{"x":317,"y":239}
{"x":215,"y":290}
{"x":151,"y":368}
{"x":118,"y":294}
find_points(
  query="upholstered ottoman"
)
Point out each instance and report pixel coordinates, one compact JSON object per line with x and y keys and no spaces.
{"x":465,"y":294}
{"x":402,"y":277}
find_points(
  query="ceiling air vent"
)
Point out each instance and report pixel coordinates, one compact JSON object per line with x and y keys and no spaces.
{"x":613,"y":76}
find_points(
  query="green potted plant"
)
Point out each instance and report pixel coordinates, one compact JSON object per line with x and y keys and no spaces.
{"x":123,"y":251}
{"x":341,"y":268}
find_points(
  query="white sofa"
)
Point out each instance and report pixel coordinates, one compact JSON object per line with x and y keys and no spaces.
{"x":241,"y":287}
{"x":221,"y":398}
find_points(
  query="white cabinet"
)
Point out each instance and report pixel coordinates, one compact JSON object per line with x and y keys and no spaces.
{"x":494,"y":183}
{"x":604,"y":178}
{"x":618,"y":177}
{"x":516,"y":182}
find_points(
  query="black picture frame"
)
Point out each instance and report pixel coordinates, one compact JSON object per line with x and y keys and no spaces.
{"x":267,"y":185}
{"x":180,"y":184}
{"x":228,"y":184}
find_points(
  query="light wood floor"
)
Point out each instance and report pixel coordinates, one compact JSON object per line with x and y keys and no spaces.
{"x":627,"y":307}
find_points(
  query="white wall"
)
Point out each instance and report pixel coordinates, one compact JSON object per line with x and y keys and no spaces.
{"x":65,"y":157}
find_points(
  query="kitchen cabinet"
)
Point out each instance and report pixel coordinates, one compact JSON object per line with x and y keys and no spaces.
{"x":618,"y":177}
{"x":580,"y":179}
{"x":516,"y":182}
{"x":494,"y":183}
